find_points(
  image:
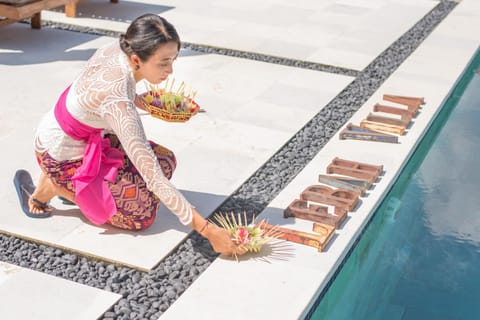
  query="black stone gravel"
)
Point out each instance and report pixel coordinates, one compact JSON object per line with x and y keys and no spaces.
{"x":148,"y":295}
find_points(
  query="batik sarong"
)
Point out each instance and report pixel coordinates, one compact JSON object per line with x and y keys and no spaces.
{"x":136,"y":205}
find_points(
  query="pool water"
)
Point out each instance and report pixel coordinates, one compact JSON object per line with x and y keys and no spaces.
{"x":419,"y":257}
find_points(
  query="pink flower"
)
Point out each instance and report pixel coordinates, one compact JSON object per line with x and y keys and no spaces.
{"x":243,"y":236}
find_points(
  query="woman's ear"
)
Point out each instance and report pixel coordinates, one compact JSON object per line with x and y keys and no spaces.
{"x":135,"y":60}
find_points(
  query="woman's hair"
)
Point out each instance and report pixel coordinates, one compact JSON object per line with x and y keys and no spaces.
{"x":146,"y":34}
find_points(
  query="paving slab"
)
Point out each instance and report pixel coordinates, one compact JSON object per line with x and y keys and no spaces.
{"x":274,"y":288}
{"x":28,"y":294}
{"x":252,"y":109}
{"x":347,"y":34}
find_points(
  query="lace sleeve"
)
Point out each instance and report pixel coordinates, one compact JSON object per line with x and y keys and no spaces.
{"x":126,"y":124}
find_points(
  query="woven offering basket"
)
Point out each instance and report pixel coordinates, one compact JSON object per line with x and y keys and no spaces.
{"x":170,"y":115}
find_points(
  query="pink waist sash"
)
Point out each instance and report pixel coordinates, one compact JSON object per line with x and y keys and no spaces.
{"x":100,"y":163}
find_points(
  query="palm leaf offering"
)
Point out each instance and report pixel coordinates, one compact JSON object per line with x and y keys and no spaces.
{"x":171,"y":105}
{"x":247,"y":236}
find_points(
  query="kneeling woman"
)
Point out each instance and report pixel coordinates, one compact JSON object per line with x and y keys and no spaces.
{"x":92,"y":146}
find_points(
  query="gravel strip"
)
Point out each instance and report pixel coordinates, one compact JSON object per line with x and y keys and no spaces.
{"x":271,"y":59}
{"x":148,"y":295}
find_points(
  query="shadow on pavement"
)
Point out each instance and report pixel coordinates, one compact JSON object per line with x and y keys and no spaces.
{"x":21,"y":45}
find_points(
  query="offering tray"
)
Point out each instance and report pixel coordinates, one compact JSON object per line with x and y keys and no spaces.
{"x":170,"y":106}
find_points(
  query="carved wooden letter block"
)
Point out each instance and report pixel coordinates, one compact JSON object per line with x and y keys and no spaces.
{"x":413,"y":103}
{"x":334,"y":197}
{"x":318,"y":240}
{"x":302,"y":210}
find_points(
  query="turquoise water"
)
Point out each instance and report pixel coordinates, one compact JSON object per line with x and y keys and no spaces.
{"x":419,"y":257}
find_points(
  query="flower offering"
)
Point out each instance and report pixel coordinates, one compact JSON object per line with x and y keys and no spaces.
{"x":169,"y":104}
{"x":250,"y":237}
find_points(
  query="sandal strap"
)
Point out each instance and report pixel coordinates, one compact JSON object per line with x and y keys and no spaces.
{"x":25,"y":190}
{"x":41,"y":205}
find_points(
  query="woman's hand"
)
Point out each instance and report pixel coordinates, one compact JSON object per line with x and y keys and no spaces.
{"x":140,"y":103}
{"x":219,"y":238}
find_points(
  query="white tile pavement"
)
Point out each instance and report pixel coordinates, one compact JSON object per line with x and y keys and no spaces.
{"x":286,"y":288}
{"x":29,"y":295}
{"x":348,"y":34}
{"x":253,"y":108}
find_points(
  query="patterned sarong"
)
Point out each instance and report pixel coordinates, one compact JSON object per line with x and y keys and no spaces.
{"x":136,"y":205}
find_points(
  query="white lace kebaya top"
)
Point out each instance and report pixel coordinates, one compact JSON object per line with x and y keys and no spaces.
{"x":103,"y":97}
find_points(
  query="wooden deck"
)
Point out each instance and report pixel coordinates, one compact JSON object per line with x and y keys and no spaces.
{"x":13,"y":11}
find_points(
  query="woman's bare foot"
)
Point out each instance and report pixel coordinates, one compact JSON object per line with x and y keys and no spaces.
{"x":45,"y":191}
{"x":37,"y":207}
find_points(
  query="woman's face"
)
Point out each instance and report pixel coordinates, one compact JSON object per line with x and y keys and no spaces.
{"x":160,"y":65}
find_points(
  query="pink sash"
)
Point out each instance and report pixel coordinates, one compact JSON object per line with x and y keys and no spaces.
{"x":100,"y":163}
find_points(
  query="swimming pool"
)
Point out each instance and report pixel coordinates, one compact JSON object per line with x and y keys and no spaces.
{"x":419,"y":256}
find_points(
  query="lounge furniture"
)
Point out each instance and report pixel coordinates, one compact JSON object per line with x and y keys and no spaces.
{"x":15,"y":10}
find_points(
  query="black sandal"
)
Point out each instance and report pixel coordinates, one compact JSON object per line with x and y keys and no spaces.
{"x":25,"y":188}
